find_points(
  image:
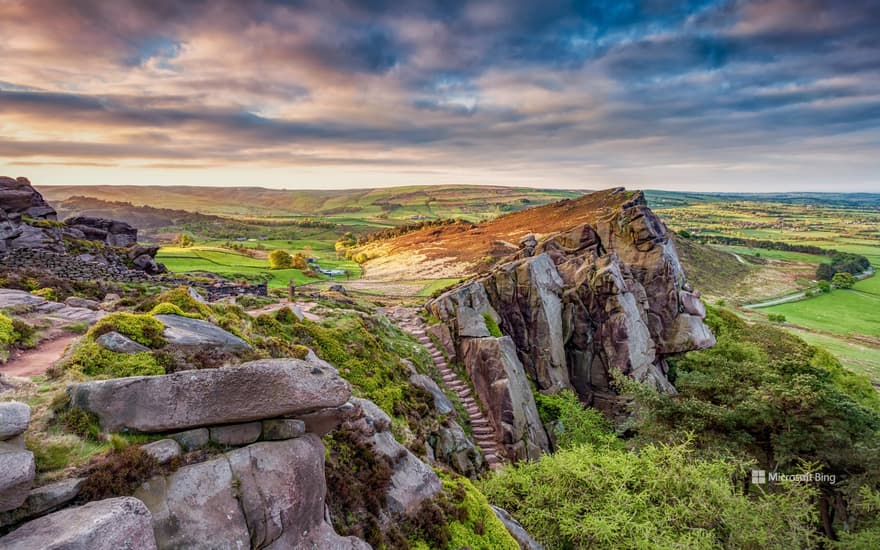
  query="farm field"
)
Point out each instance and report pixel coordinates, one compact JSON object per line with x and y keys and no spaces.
{"x":784,"y":255}
{"x":841,"y":312}
{"x":231,"y":264}
{"x":855,"y":355}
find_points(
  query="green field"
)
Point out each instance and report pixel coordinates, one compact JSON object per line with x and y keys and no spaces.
{"x":231,"y":264}
{"x":783,"y":255}
{"x":856,"y":356}
{"x":853,"y":311}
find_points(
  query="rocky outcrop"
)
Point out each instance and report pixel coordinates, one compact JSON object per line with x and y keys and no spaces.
{"x":195,"y":333}
{"x":574,"y":307}
{"x":517,"y":531}
{"x":114,"y":524}
{"x":412,"y":481}
{"x":28,"y":222}
{"x":256,"y":390}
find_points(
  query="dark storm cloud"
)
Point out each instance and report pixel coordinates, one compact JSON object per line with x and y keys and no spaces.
{"x":545,"y":81}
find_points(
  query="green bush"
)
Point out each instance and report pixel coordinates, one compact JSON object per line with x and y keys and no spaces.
{"x":573,"y":424}
{"x":492,"y":326}
{"x":8,"y":335}
{"x":660,"y":497}
{"x":776,"y":317}
{"x":143,"y":329}
{"x":80,"y":423}
{"x":279,"y":259}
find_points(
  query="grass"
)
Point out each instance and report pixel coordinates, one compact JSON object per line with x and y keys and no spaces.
{"x":228,"y":264}
{"x":775,"y":254}
{"x":435,"y":286}
{"x":840,"y":312}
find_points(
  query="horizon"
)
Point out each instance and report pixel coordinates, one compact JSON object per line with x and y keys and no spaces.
{"x":717,"y":96}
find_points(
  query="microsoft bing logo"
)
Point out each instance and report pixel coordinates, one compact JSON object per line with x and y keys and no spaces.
{"x":759,"y":477}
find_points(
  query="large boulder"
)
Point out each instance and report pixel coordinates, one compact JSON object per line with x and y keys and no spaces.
{"x":516,"y":530}
{"x":118,"y":343}
{"x":43,"y":500}
{"x":19,"y":198}
{"x":122,"y":523}
{"x":112,"y":232}
{"x":256,"y":390}
{"x":453,"y":447}
{"x":266,"y":495}
{"x":195,"y":333}
{"x":14,"y":419}
{"x":17,"y":470}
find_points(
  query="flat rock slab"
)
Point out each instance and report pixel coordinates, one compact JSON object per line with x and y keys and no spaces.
{"x":113,"y":524}
{"x":19,"y":299}
{"x":183,"y":331}
{"x":118,"y":343}
{"x":282,"y":428}
{"x":236,"y":434}
{"x":43,"y":500}
{"x":16,"y":476}
{"x":257,"y":390}
{"x":193,"y":439}
{"x":14,"y":418}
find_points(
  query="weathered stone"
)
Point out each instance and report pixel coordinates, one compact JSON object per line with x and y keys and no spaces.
{"x":14,"y":418}
{"x":196,"y":507}
{"x":193,"y":439}
{"x":501,"y":383}
{"x":282,"y":428}
{"x":112,"y":232}
{"x":76,"y":301}
{"x":16,"y":475}
{"x":187,"y":332}
{"x":517,"y":531}
{"x":442,"y":334}
{"x":442,"y":404}
{"x":266,"y":495}
{"x":236,"y":434}
{"x":412,"y":481}
{"x":122,"y":523}
{"x":19,"y":299}
{"x":118,"y":343}
{"x":454,"y":448}
{"x":602,"y":297}
{"x":324,"y":421}
{"x":188,"y":399}
{"x":43,"y":500}
{"x":163,"y":450}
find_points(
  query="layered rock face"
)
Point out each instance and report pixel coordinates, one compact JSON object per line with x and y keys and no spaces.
{"x":575,"y":307}
{"x":28,"y":222}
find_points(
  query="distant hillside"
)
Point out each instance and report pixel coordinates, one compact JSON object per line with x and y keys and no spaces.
{"x":461,"y":249}
{"x":714,"y":272}
{"x":142,"y":217}
{"x":396,"y":204}
{"x":664,"y":199}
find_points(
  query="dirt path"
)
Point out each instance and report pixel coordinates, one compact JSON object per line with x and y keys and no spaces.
{"x":36,"y":361}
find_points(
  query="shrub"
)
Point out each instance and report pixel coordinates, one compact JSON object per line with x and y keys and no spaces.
{"x":492,"y":326}
{"x":843,"y":280}
{"x":660,"y":497}
{"x":574,"y":424}
{"x":824,"y":286}
{"x":120,"y":473}
{"x":298,"y":261}
{"x":776,"y":317}
{"x":143,"y":329}
{"x":183,"y":240}
{"x":279,"y":259}
{"x":80,"y":422}
{"x":7,"y":331}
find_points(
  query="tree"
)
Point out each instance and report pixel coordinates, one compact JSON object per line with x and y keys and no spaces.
{"x":279,"y":259}
{"x":298,"y":261}
{"x":183,"y":240}
{"x":843,"y":280}
{"x":824,"y":285}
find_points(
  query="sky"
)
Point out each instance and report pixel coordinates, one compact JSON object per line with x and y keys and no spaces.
{"x":726,"y":95}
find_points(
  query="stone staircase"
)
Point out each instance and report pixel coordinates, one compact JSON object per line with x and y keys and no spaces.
{"x":483,"y":432}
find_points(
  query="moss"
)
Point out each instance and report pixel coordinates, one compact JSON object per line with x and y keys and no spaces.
{"x":143,"y":329}
{"x":92,"y":360}
{"x":181,"y":298}
{"x":47,"y":293}
{"x":167,"y":308}
{"x":492,"y":326}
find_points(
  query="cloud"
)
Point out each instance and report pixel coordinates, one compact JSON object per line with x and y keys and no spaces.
{"x":625,"y":92}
